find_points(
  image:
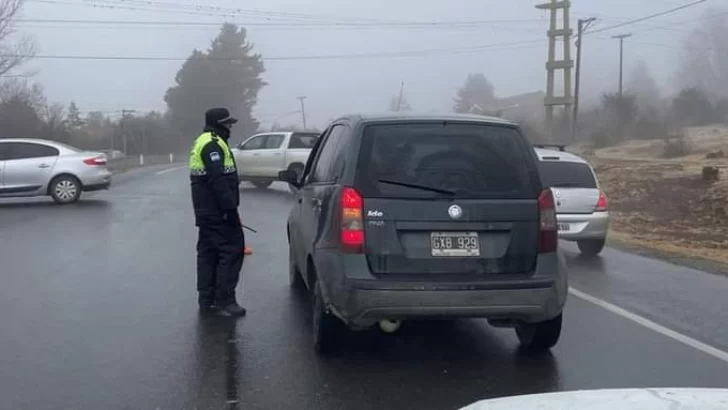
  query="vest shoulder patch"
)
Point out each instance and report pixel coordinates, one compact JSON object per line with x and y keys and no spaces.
{"x":215,"y":156}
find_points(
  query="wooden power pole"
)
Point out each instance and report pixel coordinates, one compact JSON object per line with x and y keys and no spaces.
{"x":565,"y":63}
{"x":621,"y":38}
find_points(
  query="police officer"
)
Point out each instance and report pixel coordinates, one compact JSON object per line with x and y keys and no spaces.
{"x":215,"y":197}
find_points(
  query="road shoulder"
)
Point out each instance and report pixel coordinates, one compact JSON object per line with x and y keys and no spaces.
{"x":626,"y":244}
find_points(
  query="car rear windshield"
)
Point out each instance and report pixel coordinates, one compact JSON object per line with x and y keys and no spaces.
{"x":566,"y":174}
{"x":433,"y":159}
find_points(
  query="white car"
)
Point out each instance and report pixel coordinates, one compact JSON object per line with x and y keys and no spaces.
{"x":581,"y":205}
{"x":35,"y":167}
{"x":261,"y":157}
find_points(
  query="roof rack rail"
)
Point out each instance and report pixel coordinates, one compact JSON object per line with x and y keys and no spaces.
{"x":559,"y":147}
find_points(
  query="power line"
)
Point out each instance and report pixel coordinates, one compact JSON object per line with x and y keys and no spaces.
{"x":395,"y":54}
{"x":405,"y":24}
{"x":651,"y":16}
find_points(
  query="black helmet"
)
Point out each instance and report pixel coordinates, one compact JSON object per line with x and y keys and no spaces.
{"x":219,"y":116}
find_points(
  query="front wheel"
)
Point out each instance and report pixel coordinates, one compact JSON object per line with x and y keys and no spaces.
{"x":541,"y":336}
{"x":65,"y":189}
{"x":295,"y":280}
{"x":325,"y":324}
{"x":591,"y":247}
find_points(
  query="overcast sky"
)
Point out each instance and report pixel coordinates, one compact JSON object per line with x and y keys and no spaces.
{"x":339,"y":86}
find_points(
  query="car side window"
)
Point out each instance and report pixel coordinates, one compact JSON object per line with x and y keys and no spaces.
{"x":273,"y":141}
{"x":253,"y":143}
{"x":313,"y":156}
{"x":327,"y":167}
{"x":4,"y":151}
{"x":25,"y":150}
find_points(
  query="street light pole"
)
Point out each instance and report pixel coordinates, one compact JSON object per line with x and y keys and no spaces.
{"x":621,"y":38}
{"x":303,"y":111}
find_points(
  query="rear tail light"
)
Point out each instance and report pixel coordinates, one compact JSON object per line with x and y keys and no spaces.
{"x":548,"y":237}
{"x":601,"y":205}
{"x":352,"y":224}
{"x":95,"y":161}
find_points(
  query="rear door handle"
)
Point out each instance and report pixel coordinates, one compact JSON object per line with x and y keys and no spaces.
{"x":43,"y":166}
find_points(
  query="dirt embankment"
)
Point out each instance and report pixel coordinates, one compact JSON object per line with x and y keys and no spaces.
{"x":664,"y":204}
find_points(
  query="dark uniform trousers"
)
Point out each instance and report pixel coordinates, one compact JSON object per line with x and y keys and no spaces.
{"x":219,"y":261}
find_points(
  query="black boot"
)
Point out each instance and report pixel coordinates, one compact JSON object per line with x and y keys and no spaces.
{"x":207,"y":308}
{"x":231,"y":310}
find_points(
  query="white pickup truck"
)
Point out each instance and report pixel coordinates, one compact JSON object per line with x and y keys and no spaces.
{"x":260,"y":157}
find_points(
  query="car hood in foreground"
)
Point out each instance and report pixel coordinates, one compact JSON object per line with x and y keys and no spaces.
{"x":610,"y":399}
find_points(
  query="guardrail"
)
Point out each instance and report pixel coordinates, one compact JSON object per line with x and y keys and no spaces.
{"x":137,"y":161}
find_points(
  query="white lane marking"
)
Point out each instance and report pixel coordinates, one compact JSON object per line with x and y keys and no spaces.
{"x":164,"y":171}
{"x":679,"y":337}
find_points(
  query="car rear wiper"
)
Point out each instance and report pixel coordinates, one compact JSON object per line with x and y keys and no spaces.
{"x":415,"y":186}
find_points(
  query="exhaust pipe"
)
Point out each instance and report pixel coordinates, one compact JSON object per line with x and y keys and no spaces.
{"x":390,"y":326}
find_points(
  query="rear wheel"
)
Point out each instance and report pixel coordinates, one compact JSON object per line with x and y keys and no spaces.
{"x":261,"y":184}
{"x":591,"y":247}
{"x":65,"y":189}
{"x":298,"y":169}
{"x":540,"y":336}
{"x":325,"y":324}
{"x":294,"y":274}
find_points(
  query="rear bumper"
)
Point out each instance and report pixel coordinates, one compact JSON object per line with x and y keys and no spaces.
{"x":367,"y":306}
{"x":363,"y":302}
{"x":95,"y":179}
{"x":97,"y":187}
{"x":584,"y":226}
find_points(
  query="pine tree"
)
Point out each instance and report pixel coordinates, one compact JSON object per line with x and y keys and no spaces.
{"x":74,"y":115}
{"x":227,"y":75}
{"x":476,"y":95}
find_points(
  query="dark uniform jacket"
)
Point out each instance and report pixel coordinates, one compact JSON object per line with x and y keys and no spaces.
{"x":215,"y":195}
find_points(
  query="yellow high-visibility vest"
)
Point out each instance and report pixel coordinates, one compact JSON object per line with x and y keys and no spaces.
{"x":197,"y":166}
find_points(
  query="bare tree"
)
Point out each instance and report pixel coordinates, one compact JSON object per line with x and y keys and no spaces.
{"x":54,"y":127}
{"x":643,"y":86}
{"x":704,"y":60}
{"x":23,"y":90}
{"x":14,"y":50}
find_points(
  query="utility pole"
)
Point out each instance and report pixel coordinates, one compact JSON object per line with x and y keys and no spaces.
{"x":583,"y":24}
{"x":401,"y":95}
{"x":565,"y":64}
{"x":303,"y":111}
{"x":124,"y":115}
{"x":621,"y":38}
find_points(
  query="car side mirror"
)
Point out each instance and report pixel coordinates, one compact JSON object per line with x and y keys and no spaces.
{"x":290,"y":176}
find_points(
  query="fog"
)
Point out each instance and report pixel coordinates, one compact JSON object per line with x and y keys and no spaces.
{"x":339,"y":85}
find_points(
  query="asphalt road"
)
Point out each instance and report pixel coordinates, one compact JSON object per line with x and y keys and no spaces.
{"x":98,"y":311}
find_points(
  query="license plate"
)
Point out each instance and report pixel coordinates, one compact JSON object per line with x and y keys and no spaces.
{"x":455,"y":244}
{"x":564,"y":227}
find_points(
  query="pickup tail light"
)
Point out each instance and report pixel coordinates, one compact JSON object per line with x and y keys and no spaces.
{"x":601,"y":205}
{"x":351,"y":236}
{"x":96,"y":161}
{"x":548,"y":236}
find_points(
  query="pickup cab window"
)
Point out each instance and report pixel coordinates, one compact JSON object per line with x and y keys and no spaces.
{"x":253,"y":143}
{"x":302,"y":141}
{"x":273,"y":141}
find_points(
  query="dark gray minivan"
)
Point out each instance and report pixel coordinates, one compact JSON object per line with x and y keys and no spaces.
{"x":402,"y":216}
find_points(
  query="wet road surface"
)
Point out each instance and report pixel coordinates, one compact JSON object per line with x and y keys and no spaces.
{"x":98,"y":310}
